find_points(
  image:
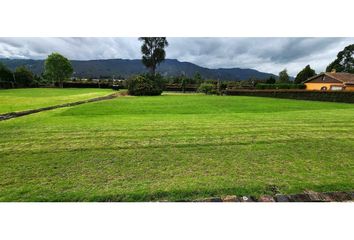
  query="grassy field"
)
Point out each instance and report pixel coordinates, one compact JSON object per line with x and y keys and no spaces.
{"x":14,"y":100}
{"x":177,"y":148}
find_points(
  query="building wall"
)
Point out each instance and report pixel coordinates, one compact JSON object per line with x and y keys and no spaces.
{"x":349,"y":88}
{"x":317,"y":86}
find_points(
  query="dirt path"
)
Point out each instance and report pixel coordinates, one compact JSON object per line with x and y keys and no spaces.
{"x":10,"y":115}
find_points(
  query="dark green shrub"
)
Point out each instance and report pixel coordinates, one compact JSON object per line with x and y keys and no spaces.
{"x":207,"y":88}
{"x":24,"y":77}
{"x":330,"y":96}
{"x":280,"y":86}
{"x":145,"y":85}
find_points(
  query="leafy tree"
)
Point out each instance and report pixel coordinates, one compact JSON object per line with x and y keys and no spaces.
{"x":283,"y":76}
{"x":344,"y":61}
{"x":207,"y":88}
{"x":23,"y":77}
{"x":6,"y":75}
{"x":57,"y":68}
{"x":304,"y":74}
{"x":145,"y":85}
{"x":271,"y":80}
{"x":175,"y":79}
{"x":197,"y":78}
{"x":153,"y":50}
{"x":183,"y":83}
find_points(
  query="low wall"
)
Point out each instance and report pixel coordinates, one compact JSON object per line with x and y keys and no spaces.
{"x":334,"y":96}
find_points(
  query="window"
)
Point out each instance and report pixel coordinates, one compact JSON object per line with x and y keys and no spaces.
{"x":336,"y":88}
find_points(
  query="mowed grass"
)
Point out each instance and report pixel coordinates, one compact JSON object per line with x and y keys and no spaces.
{"x":13,"y":100}
{"x":174,"y":148}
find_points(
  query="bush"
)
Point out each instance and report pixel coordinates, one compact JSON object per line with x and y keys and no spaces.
{"x":145,"y":85}
{"x":6,"y":85}
{"x":207,"y":88}
{"x":24,"y":77}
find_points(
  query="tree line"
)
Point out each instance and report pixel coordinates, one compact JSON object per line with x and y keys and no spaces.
{"x":57,"y":69}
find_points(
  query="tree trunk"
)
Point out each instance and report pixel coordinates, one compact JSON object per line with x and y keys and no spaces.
{"x":153,"y":69}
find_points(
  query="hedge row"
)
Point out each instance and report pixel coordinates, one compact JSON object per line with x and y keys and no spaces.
{"x":5,"y":85}
{"x":178,"y":87}
{"x":280,"y":86}
{"x":9,"y":85}
{"x":334,"y":96}
{"x":90,"y":85}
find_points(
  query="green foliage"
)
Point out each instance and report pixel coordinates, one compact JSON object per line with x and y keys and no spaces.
{"x":283,"y":77}
{"x":326,"y":96}
{"x":153,"y":50}
{"x":183,"y":79}
{"x":6,"y":76}
{"x":145,"y":85}
{"x":57,"y":68}
{"x":207,"y":88}
{"x":198,"y":79}
{"x":271,"y":80}
{"x":304,"y":74}
{"x":24,"y":77}
{"x":344,"y":61}
{"x":184,"y":84}
{"x":280,"y":86}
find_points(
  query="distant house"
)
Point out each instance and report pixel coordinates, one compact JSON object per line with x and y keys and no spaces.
{"x":331,"y":81}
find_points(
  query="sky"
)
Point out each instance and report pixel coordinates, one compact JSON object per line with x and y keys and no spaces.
{"x":263,"y":54}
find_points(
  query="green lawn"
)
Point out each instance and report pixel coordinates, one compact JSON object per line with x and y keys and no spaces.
{"x":177,"y":148}
{"x":13,"y":100}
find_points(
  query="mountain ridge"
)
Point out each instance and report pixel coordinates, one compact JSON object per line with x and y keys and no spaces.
{"x":123,"y":68}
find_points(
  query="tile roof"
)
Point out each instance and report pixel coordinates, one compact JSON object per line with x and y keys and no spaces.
{"x":342,"y":77}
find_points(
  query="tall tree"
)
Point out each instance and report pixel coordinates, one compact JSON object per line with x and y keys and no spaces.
{"x":6,"y":75}
{"x":58,"y":68}
{"x":153,"y":50}
{"x":283,"y":76}
{"x":198,"y":78}
{"x":344,"y":61}
{"x":271,"y":80}
{"x":304,"y":74}
{"x":23,"y":76}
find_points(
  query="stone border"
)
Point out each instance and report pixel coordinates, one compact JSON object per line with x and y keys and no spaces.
{"x":308,"y":196}
{"x":10,"y":115}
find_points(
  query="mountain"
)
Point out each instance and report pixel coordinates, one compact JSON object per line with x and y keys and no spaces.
{"x":125,"y":68}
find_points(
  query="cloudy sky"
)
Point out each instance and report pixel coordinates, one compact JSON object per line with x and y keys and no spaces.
{"x":264,"y":54}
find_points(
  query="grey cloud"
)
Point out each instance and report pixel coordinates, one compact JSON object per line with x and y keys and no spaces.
{"x":264,"y":54}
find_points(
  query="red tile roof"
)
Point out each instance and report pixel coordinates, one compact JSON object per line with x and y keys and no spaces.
{"x":343,"y":77}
